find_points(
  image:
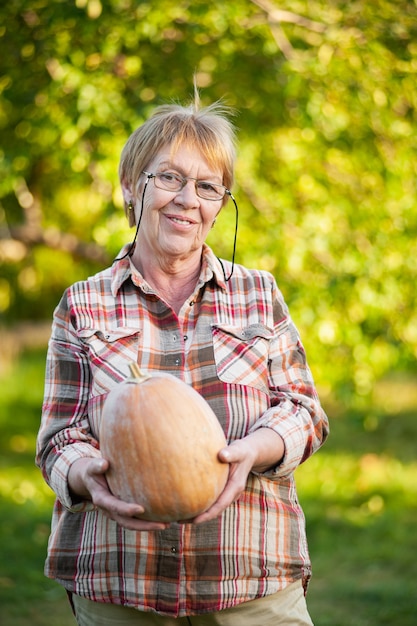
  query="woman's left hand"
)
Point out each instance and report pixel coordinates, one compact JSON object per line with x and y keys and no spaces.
{"x":258,"y":451}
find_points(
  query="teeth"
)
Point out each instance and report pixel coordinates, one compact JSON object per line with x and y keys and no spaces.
{"x":176,"y":219}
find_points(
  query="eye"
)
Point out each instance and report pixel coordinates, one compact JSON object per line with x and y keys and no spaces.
{"x":169,"y":177}
{"x":206,"y":186}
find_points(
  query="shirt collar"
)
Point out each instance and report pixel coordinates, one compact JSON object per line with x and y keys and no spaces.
{"x":123,"y":269}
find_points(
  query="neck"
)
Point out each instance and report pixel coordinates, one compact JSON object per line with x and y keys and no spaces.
{"x":173,"y":279}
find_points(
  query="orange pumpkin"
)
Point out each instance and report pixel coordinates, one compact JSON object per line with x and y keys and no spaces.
{"x":162,"y":439}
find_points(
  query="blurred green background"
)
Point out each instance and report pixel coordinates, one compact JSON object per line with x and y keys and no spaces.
{"x":325,"y":95}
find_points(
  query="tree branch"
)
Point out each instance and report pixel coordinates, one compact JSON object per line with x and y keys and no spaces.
{"x":53,"y":238}
{"x":277,"y":16}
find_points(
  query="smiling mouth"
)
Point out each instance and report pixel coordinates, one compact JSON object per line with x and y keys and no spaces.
{"x":178,"y":220}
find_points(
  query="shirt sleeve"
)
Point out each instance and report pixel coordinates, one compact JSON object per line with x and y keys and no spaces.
{"x":64,"y":435}
{"x":295,"y":413}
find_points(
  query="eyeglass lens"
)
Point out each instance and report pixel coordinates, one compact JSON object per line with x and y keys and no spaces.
{"x":204,"y":188}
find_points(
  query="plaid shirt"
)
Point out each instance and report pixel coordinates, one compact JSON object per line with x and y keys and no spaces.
{"x":235,"y":343}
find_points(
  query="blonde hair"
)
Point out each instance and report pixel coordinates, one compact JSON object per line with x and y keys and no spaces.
{"x":205,"y":128}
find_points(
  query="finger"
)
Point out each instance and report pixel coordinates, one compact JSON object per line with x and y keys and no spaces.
{"x":226,"y":498}
{"x":233,"y":453}
{"x":98,"y":466}
{"x":208,"y":515}
{"x":226,"y":456}
{"x":140,"y":525}
{"x":128,"y":515}
{"x":114,"y":507}
{"x":232,"y":492}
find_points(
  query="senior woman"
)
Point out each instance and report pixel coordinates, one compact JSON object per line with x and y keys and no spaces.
{"x":170,"y":304}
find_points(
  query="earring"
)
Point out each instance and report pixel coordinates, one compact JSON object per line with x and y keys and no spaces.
{"x":130,"y":206}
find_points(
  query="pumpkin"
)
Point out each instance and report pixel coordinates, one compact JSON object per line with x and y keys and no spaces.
{"x":162,"y":439}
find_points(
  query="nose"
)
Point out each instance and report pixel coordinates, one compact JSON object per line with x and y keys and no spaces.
{"x":187,"y":196}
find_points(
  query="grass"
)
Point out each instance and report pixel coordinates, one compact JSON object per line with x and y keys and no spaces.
{"x":359,"y":494}
{"x":26,"y":596}
{"x":360,"y":498}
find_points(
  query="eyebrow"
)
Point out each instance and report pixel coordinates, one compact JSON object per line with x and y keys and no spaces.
{"x":174,"y":166}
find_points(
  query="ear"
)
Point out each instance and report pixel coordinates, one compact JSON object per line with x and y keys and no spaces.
{"x":129,"y":203}
{"x":127,"y":192}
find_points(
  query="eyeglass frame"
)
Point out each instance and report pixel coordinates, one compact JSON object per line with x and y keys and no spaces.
{"x":184,"y":180}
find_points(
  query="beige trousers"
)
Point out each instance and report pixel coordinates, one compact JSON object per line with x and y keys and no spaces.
{"x":285,"y":608}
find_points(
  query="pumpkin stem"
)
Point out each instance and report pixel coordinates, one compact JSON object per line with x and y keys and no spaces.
{"x":137,"y":373}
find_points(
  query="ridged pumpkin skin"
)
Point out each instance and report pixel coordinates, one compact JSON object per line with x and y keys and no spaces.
{"x":162,"y":439}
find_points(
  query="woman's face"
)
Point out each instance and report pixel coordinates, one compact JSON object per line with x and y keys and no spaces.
{"x":175,"y":224}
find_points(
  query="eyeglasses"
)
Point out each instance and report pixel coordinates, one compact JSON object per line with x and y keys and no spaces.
{"x":169,"y":181}
{"x":173,"y":182}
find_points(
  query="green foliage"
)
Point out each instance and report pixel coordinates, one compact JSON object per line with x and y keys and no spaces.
{"x":359,"y":495}
{"x":326,"y":179}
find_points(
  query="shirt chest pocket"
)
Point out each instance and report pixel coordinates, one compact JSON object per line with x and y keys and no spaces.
{"x":113,"y":345}
{"x":241,"y":354}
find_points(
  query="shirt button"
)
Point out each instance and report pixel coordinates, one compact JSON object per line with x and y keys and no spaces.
{"x":173,"y":550}
{"x":185,"y":337}
{"x":177,"y":361}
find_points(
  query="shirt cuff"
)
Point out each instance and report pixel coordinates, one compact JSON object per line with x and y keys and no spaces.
{"x":291,"y":426}
{"x":60,"y":471}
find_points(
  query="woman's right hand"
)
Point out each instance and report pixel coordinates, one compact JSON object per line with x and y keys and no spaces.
{"x":87,"y":481}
